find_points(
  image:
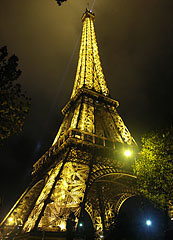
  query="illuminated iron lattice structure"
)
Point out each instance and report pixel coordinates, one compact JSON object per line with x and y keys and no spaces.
{"x":84,"y":171}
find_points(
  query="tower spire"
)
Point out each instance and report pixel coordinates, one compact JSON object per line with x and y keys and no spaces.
{"x":82,"y":111}
{"x":89,"y":70}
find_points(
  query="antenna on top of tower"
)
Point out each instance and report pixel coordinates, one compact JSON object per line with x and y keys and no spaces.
{"x":93,"y":5}
{"x":87,"y":3}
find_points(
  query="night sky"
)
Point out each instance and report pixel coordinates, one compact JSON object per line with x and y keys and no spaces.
{"x":135,"y":41}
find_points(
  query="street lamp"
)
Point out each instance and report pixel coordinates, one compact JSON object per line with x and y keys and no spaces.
{"x":80,"y":224}
{"x":148,"y":222}
{"x":127,"y":153}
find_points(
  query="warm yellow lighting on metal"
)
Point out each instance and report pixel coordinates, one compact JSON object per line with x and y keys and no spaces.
{"x":89,"y":71}
{"x":91,"y":127}
{"x":62,"y":226}
{"x":11,"y":220}
{"x":127,"y":153}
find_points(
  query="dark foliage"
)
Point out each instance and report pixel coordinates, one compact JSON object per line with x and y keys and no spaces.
{"x":154,"y":165}
{"x":14,"y":105}
{"x":60,"y":2}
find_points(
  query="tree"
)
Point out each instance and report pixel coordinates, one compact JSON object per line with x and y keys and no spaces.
{"x":14,"y":105}
{"x":60,"y":1}
{"x":154,"y":165}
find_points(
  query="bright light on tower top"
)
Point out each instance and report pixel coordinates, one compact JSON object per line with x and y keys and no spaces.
{"x":88,"y":13}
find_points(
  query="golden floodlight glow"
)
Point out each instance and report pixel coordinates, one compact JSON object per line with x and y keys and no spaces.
{"x":127,"y":153}
{"x":62,"y":225}
{"x":11,"y":220}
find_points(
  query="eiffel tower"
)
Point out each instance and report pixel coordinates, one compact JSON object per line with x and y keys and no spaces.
{"x":84,"y":174}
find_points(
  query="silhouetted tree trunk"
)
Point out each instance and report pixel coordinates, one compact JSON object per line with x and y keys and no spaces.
{"x":70,"y":226}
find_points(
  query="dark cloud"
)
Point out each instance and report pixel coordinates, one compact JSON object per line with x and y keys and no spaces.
{"x":135,"y":42}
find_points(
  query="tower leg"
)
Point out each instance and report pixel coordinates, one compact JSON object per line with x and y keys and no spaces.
{"x":48,"y":200}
